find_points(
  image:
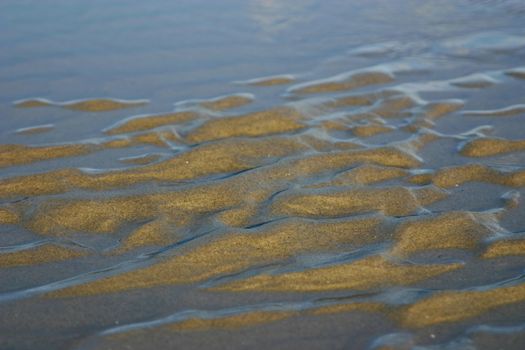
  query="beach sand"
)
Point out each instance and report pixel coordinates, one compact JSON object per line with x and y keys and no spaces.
{"x":375,"y":207}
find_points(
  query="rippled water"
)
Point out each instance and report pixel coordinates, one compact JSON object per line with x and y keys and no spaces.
{"x":262,"y":174}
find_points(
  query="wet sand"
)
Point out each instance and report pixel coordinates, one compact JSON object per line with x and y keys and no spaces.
{"x":376,"y":207}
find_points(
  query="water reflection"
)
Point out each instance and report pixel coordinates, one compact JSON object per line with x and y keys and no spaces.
{"x":272,"y":17}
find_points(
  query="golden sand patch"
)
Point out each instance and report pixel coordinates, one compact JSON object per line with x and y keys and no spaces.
{"x":147,"y":122}
{"x":453,"y":230}
{"x":455,"y":176}
{"x":20,"y":154}
{"x":435,"y":110}
{"x":214,"y":158}
{"x":318,"y":164}
{"x":335,"y":124}
{"x":57,"y":218}
{"x":270,"y":81}
{"x":384,"y":156}
{"x":239,"y":216}
{"x":281,"y":173}
{"x":370,"y":174}
{"x":418,"y":124}
{"x":41,"y":254}
{"x":32,"y":103}
{"x":370,"y":272}
{"x":394,"y":201}
{"x":13,"y":155}
{"x":226,"y":156}
{"x":321,"y":144}
{"x":235,"y":252}
{"x":363,"y":175}
{"x":505,"y":247}
{"x":456,"y":306}
{"x":366,"y":99}
{"x":371,"y":129}
{"x":160,"y":138}
{"x":40,"y":184}
{"x":102,"y":104}
{"x":105,"y":216}
{"x":392,"y":107}
{"x":227,"y":102}
{"x":8,"y":217}
{"x":87,"y":105}
{"x":158,"y":232}
{"x":486,"y":147}
{"x":421,"y":178}
{"x":267,"y":122}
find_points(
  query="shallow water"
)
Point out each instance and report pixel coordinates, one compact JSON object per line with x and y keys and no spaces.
{"x":262,"y":174}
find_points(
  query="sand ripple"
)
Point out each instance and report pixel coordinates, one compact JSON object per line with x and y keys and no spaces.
{"x":387,"y":201}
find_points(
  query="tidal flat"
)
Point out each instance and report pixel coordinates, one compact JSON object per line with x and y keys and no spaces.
{"x":295,"y":174}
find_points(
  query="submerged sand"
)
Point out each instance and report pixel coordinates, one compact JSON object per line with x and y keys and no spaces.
{"x":360,"y":198}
